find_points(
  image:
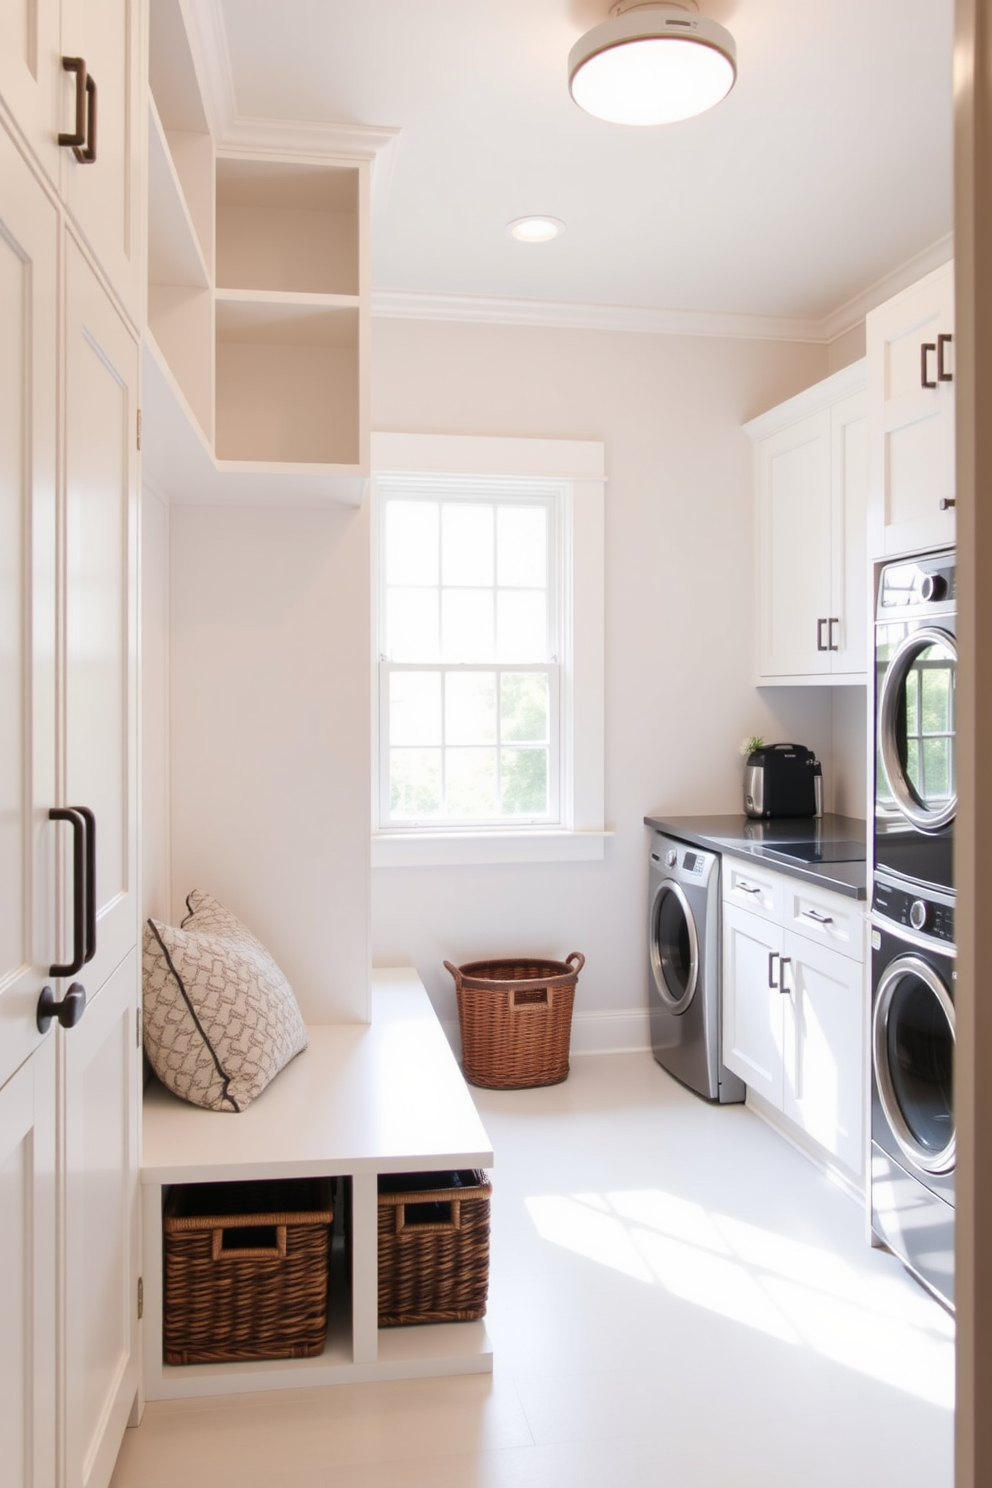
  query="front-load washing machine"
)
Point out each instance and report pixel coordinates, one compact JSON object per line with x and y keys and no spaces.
{"x":684,"y":967}
{"x":912,"y":1080}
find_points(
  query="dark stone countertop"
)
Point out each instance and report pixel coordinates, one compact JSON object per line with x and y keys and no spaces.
{"x":769,"y":842}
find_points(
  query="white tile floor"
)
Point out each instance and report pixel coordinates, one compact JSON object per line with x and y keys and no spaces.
{"x":678,"y":1298}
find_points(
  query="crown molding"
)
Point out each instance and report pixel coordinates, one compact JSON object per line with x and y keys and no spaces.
{"x":854,"y":311}
{"x":480,"y":309}
{"x":391,"y":304}
{"x":234,"y":130}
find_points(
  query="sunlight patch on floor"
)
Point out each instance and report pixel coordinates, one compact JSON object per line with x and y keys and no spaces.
{"x":788,"y":1289}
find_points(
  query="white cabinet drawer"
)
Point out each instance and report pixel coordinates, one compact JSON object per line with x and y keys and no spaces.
{"x":753,"y":888}
{"x":831,"y":919}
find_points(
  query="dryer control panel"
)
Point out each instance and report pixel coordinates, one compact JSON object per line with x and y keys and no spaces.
{"x":924,"y":912}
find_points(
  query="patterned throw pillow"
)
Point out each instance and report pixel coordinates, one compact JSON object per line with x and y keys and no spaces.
{"x":220,"y":1020}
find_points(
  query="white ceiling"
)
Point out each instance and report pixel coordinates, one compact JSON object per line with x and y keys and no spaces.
{"x":827,"y":170}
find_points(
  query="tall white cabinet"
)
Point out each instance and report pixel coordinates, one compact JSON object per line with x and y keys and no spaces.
{"x":68,"y":488}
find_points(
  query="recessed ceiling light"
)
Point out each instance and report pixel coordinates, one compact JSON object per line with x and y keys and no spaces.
{"x":652,"y":64}
{"x":535,"y":229}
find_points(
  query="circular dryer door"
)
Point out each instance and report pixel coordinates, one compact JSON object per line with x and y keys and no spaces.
{"x":913,"y":1058}
{"x":916,"y":727}
{"x":674,"y":947}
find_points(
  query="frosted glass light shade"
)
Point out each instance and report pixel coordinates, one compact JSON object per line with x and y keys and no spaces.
{"x":652,"y":65}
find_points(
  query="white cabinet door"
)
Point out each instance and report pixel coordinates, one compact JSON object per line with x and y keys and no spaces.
{"x":822,"y":1046}
{"x":752,"y":1001}
{"x":27,"y":1272}
{"x":32,"y":82}
{"x":811,"y":490}
{"x":28,"y":442}
{"x":102,"y":1072}
{"x":911,"y":415}
{"x":794,"y":527}
{"x":105,"y":196}
{"x":847,"y":625}
{"x":100,"y":521}
{"x":28,"y":840}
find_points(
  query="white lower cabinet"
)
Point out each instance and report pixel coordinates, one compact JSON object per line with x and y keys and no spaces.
{"x":27,"y":1269}
{"x":102,"y":1091}
{"x":793,"y":1004}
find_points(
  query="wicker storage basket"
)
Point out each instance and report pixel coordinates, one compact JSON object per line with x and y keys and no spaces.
{"x":516,"y":1020}
{"x":433,"y":1247}
{"x":246,"y":1270}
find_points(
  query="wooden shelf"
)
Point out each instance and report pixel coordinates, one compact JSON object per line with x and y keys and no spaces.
{"x":179,"y":464}
{"x":175,"y":255}
{"x":363,"y":1099}
{"x":288,"y":225}
{"x":257,"y":387}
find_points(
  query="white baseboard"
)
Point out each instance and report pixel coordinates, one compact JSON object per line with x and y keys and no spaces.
{"x":620,"y":1031}
{"x":848,"y":1182}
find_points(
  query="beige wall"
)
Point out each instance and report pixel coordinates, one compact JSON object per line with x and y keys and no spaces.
{"x":847,"y":348}
{"x":679,"y":694}
{"x":270,"y":736}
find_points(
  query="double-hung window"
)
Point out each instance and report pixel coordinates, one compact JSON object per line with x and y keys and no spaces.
{"x":477,"y":671}
{"x":469,"y":676}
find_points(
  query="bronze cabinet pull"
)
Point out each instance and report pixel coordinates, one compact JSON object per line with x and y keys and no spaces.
{"x":82,"y":141}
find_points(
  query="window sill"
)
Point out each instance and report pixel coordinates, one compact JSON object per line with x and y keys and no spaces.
{"x":458,"y":849}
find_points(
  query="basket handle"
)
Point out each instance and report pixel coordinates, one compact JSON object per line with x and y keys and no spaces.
{"x":578,"y":957}
{"x":454,"y":972}
{"x":435,"y":1227}
{"x":276,"y":1252}
{"x":525,"y":995}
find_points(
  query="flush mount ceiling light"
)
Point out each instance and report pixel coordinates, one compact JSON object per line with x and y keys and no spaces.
{"x":535,"y":229}
{"x":652,"y":64}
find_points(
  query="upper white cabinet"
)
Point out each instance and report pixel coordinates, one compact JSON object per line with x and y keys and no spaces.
{"x":257,"y":381}
{"x":82,"y":121}
{"x":910,"y":346}
{"x":811,"y":483}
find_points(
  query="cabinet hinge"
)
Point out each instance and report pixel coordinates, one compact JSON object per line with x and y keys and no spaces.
{"x":139,"y":428}
{"x":141,"y":1298}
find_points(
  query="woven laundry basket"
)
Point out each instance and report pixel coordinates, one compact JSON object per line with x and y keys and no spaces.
{"x":433,"y":1247}
{"x":516,"y":1020}
{"x":246,"y":1270}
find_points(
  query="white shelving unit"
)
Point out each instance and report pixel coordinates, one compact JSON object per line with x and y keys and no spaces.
{"x":257,"y":352}
{"x":386,"y":1097}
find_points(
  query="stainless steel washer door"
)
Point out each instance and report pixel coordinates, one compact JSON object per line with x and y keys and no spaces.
{"x":916,"y":717}
{"x":913,"y":1059}
{"x":674,"y":947}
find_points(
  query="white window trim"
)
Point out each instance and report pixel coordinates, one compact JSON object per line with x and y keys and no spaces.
{"x":580,"y":466}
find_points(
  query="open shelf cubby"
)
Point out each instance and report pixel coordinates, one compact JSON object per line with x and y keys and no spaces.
{"x":287,"y":226}
{"x":287,"y":380}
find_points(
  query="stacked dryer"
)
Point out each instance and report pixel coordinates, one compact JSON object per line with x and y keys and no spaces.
{"x":913,"y":949}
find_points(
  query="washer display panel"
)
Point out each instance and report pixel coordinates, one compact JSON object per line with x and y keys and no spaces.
{"x":913,"y":1054}
{"x":674,"y":948}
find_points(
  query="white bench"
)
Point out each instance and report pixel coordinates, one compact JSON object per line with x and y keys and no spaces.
{"x":387,"y":1097}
